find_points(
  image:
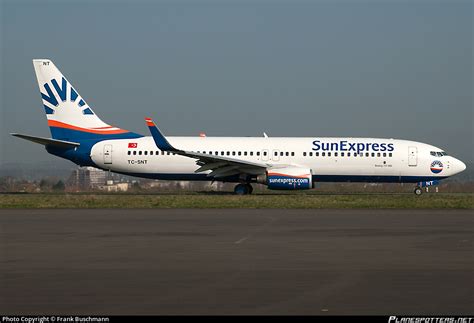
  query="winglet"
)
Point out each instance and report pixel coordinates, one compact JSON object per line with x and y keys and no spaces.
{"x":160,"y":140}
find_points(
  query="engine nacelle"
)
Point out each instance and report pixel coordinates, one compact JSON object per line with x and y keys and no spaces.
{"x":288,"y":178}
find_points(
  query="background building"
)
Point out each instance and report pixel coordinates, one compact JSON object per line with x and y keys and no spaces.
{"x":87,"y":178}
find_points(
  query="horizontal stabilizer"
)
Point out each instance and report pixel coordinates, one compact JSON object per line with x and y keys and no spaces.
{"x":47,"y":141}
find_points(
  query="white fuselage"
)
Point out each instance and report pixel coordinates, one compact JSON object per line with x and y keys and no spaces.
{"x":329,"y":159}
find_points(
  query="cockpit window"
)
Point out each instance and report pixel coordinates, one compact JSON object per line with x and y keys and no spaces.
{"x":438,"y":153}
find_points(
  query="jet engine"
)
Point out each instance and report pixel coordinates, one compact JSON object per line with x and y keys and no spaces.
{"x":288,"y":178}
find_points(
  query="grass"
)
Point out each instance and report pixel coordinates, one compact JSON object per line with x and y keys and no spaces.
{"x":285,"y":201}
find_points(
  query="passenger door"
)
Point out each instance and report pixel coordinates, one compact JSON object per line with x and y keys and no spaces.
{"x":412,"y":156}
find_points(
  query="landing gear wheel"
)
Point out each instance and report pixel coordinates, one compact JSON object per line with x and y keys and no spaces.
{"x":241,"y":189}
{"x":250,"y":188}
{"x":418,"y":191}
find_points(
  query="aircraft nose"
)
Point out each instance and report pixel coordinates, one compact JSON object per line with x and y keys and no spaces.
{"x":459,"y":166}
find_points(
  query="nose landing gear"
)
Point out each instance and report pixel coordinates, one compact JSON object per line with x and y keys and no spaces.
{"x":243,"y":189}
{"x":418,"y":191}
{"x":419,"y":187}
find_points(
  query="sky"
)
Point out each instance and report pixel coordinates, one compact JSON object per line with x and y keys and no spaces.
{"x":384,"y":69}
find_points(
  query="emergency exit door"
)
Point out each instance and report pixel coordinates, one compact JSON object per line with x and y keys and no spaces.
{"x":107,"y":154}
{"x":412,"y":156}
{"x":276,"y":155}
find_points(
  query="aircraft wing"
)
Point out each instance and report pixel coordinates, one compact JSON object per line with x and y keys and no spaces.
{"x":220,"y":166}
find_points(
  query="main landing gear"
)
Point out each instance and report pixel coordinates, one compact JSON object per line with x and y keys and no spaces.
{"x":243,"y":189}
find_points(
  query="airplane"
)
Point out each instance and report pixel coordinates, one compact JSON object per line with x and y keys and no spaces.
{"x":283,"y":163}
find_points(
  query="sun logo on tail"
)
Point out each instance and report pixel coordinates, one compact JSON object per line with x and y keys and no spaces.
{"x":63,"y":98}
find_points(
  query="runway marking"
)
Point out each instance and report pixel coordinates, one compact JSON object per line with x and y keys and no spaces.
{"x":272,"y":219}
{"x":242,"y":240}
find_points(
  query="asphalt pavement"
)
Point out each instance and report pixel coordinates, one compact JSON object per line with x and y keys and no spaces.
{"x":238,"y":261}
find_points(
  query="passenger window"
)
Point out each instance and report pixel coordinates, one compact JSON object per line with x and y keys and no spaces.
{"x":304,"y":153}
{"x":281,"y":154}
{"x":145,"y":152}
{"x":140,"y":152}
{"x":151,"y":152}
{"x":245,"y":153}
{"x":168,"y":153}
{"x":258,"y":153}
{"x":342,"y":154}
{"x":240,"y":153}
{"x":251,"y":153}
{"x":385,"y":154}
{"x":134,"y":152}
{"x":329,"y":154}
{"x":348,"y":154}
{"x":292,"y":154}
{"x":311,"y":153}
{"x":287,"y":154}
{"x":366,"y":154}
{"x":378,"y":154}
{"x":373,"y":154}
{"x":335,"y":154}
{"x":323,"y":154}
{"x":389,"y":154}
{"x":317,"y":154}
{"x":233,"y":153}
{"x":432,"y":153}
{"x":264,"y":153}
{"x":157,"y":152}
{"x":129,"y":152}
